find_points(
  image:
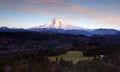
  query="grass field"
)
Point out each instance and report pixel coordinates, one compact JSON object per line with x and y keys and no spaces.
{"x":74,"y":56}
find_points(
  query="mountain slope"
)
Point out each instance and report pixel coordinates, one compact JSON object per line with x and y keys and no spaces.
{"x":6,"y":29}
{"x":104,"y":31}
{"x":59,"y":24}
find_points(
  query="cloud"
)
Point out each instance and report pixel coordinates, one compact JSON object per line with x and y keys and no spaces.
{"x":55,"y":7}
{"x":102,"y":17}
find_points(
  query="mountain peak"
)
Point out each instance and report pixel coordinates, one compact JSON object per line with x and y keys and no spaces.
{"x":58,"y":23}
{"x":56,"y":18}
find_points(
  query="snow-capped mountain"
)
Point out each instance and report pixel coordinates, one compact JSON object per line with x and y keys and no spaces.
{"x":59,"y":24}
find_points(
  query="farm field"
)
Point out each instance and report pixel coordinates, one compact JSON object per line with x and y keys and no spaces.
{"x":74,"y":56}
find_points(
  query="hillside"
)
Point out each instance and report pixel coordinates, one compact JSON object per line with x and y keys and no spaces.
{"x":32,"y":41}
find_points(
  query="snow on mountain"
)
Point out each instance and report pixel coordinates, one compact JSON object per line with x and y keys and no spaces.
{"x":59,"y":24}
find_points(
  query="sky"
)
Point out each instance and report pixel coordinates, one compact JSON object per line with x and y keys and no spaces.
{"x":91,"y":14}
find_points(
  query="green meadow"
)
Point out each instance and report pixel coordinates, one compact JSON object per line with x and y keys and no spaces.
{"x":74,"y":56}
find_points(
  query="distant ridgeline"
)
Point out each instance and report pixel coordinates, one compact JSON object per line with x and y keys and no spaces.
{"x":57,"y":25}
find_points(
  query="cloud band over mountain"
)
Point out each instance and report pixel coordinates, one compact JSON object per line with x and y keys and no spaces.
{"x":106,"y":11}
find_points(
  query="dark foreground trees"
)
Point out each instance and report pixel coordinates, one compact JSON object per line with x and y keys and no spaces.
{"x":38,"y":62}
{"x":109,"y":53}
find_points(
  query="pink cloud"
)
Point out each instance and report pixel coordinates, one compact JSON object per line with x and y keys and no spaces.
{"x":40,"y":6}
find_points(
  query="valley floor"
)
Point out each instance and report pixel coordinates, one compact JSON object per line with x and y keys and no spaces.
{"x":74,"y":56}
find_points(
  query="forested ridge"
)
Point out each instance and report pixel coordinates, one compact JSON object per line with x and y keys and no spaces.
{"x":29,"y":52}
